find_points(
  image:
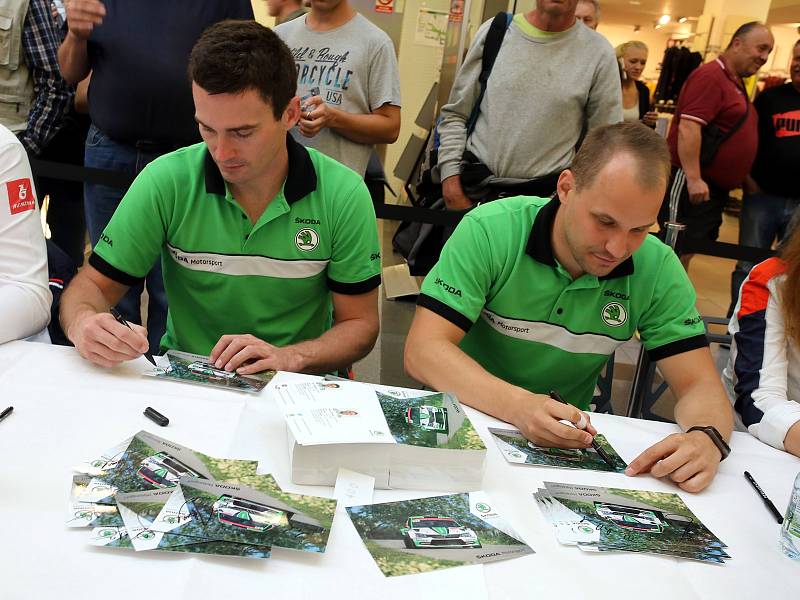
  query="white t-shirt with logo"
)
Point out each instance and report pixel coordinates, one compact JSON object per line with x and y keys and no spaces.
{"x":24,"y":293}
{"x":355,"y":68}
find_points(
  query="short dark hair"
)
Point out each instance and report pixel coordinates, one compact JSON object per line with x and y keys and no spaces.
{"x":743,"y":30}
{"x":602,"y":144}
{"x":233,"y":56}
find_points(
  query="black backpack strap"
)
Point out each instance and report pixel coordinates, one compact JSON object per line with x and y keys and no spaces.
{"x":491,"y":48}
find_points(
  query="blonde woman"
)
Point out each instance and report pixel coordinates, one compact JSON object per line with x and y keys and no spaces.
{"x":764,"y":364}
{"x":632,"y":58}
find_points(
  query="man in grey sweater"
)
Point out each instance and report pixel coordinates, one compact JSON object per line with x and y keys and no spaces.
{"x":553,"y":78}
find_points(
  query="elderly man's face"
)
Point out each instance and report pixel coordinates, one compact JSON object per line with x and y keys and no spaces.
{"x":750,"y":52}
{"x":586,"y":12}
{"x":557,"y":8}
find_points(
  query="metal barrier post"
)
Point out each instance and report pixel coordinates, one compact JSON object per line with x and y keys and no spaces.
{"x":640,"y":380}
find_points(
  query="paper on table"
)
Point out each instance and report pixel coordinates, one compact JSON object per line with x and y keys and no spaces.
{"x":353,"y":488}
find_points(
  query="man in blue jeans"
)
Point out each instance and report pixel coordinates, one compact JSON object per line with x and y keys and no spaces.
{"x":140,"y":102}
{"x":772,"y":190}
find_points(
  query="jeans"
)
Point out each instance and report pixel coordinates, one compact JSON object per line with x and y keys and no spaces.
{"x":764,"y":218}
{"x":100,"y":202}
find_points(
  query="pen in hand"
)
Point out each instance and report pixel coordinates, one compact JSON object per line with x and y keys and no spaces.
{"x":582,"y":425}
{"x":120,"y":319}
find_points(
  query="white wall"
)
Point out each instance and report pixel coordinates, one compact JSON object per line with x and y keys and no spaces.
{"x":656,"y":43}
{"x":785,"y":38}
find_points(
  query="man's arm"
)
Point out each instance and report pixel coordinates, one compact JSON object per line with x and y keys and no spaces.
{"x":51,"y":94}
{"x":85,"y":319}
{"x":381,"y":126}
{"x":690,"y":459}
{"x":73,"y":55}
{"x":354,"y":331}
{"x":604,"y":105}
{"x":432,"y":356}
{"x":24,"y":294}
{"x":689,"y":140}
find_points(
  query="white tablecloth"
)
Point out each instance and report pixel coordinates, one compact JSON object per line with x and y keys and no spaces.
{"x":66,"y":410}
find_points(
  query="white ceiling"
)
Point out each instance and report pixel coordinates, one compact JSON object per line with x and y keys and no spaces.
{"x":645,"y":12}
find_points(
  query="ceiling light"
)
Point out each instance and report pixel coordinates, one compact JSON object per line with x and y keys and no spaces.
{"x":682,"y":20}
{"x":663,"y":19}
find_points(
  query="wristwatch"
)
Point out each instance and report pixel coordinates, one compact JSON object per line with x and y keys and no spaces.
{"x":715,"y":436}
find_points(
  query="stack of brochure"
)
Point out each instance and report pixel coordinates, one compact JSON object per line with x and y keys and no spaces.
{"x":427,"y":534}
{"x":408,"y":439}
{"x":598,"y":519}
{"x":148,"y":493}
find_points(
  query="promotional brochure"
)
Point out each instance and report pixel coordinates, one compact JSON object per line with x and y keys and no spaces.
{"x":428,"y":534}
{"x":518,"y":450}
{"x":598,"y":519}
{"x":403,"y":438}
{"x":195,"y":368}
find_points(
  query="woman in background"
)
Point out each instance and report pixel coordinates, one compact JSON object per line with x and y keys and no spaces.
{"x":764,"y":364}
{"x":632,"y":58}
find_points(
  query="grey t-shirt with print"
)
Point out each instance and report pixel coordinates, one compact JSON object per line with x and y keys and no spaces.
{"x":355,"y":68}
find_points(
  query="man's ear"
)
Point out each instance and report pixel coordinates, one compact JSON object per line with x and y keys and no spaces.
{"x":565,"y":185}
{"x":292,"y":113}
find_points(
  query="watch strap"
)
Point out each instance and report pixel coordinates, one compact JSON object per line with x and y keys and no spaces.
{"x":716,"y":437}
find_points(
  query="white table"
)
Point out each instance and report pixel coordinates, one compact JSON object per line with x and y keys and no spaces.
{"x":66,"y":410}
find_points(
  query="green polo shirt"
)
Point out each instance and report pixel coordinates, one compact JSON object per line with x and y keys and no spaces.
{"x":225,"y":275}
{"x":530,"y":323}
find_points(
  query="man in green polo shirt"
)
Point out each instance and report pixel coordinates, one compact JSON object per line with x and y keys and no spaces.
{"x":269,"y":250}
{"x":532,"y":295}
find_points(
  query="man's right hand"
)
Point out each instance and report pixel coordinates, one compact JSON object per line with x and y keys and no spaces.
{"x":698,"y":190}
{"x":101,"y":340}
{"x":83,"y":15}
{"x":454,"y":196}
{"x":538,"y":418}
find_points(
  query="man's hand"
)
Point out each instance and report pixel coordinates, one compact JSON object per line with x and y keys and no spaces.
{"x":538,"y":418}
{"x":101,"y":340}
{"x":689,"y":459}
{"x":83,"y":15}
{"x":698,"y":190}
{"x":791,"y":443}
{"x":316,"y":115}
{"x":246,"y":354}
{"x":650,"y":118}
{"x":454,"y":196}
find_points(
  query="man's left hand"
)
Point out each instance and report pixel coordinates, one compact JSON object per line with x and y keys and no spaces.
{"x":315,"y":117}
{"x":689,"y":459}
{"x":246,"y":354}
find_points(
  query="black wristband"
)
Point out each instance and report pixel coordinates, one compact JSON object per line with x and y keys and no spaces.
{"x":715,"y":436}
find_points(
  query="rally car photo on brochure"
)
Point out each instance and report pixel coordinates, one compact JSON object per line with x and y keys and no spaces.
{"x":432,"y":418}
{"x":247,"y":514}
{"x":162,"y":470}
{"x":629,"y":517}
{"x":438,"y":532}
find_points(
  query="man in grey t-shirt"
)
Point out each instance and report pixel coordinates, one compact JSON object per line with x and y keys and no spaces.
{"x":553,"y":78}
{"x":347,"y":80}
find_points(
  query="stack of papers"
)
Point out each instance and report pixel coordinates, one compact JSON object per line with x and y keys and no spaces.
{"x":516,"y":449}
{"x":403,"y":438}
{"x":195,"y":368}
{"x":427,"y":534}
{"x":148,"y":493}
{"x":599,"y":519}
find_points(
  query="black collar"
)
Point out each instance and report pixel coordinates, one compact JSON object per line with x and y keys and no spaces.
{"x":301,"y":179}
{"x":540,"y":247}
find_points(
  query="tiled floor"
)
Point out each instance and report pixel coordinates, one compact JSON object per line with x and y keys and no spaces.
{"x":710,"y":276}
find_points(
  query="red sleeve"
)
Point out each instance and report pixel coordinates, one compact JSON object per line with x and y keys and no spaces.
{"x":701,"y":97}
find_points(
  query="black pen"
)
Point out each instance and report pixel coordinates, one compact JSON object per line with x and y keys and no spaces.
{"x":767,"y":502}
{"x":6,"y":412}
{"x":120,"y":319}
{"x":597,"y":447}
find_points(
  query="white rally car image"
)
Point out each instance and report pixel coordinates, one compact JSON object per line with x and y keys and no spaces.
{"x":438,"y":532}
{"x":163,"y":471}
{"x":628,"y":517}
{"x":432,"y":418}
{"x":248,"y":514}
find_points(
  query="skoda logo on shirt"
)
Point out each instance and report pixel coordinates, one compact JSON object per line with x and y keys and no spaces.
{"x":614,"y":314}
{"x":306,"y":239}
